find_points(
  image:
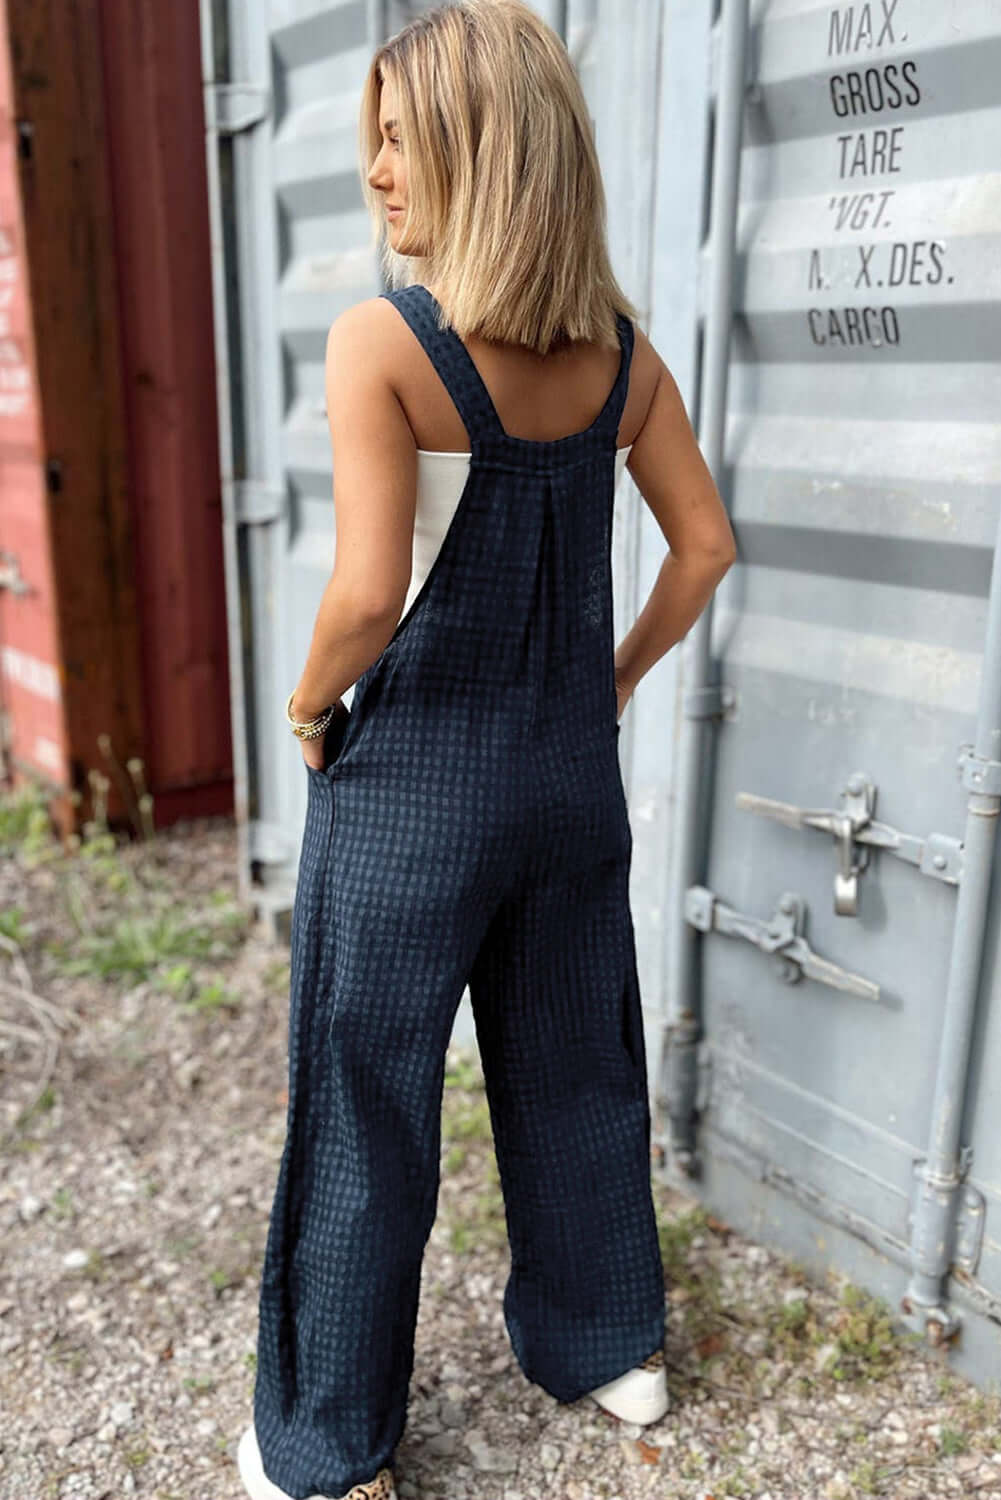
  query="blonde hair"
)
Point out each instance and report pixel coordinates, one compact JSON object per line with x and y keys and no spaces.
{"x":505,"y":190}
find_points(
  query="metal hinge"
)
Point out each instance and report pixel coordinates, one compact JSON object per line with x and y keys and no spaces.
{"x":970,"y":1210}
{"x":854,"y":828}
{"x":780,"y":934}
{"x":234,"y":107}
{"x":978,"y":774}
{"x":709,"y":702}
{"x":256,"y":503}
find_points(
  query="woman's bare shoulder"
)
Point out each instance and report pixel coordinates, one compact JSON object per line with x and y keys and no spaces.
{"x":372,"y":342}
{"x":372,"y":322}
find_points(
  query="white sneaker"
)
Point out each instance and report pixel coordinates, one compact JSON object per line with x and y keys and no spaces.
{"x":640,"y":1395}
{"x":259,"y":1486}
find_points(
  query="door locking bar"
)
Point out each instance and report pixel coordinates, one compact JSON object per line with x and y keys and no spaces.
{"x":855,"y":831}
{"x":781,"y":934}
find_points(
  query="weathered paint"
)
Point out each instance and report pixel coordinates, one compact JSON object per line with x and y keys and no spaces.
{"x":30,"y":689}
{"x":81,"y":612}
{"x":112,"y":606}
{"x":156,"y":148}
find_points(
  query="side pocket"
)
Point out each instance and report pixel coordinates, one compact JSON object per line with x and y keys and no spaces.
{"x":333,"y":739}
{"x":632,"y":1022}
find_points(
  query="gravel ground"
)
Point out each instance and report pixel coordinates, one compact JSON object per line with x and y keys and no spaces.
{"x":142,"y":1042}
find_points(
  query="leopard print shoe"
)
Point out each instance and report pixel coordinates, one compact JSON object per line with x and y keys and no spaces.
{"x":379,"y":1488}
{"x":259,"y":1486}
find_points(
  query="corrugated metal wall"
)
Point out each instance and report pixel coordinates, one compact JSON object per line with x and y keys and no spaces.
{"x":862,"y":460}
{"x":290,"y":252}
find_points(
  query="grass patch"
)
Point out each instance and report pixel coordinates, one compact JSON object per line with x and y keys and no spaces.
{"x":868,"y":1346}
{"x":177,"y":1246}
{"x":676,"y":1233}
{"x":463,"y":1071}
{"x":25,"y":825}
{"x":61,"y":1204}
{"x":198,"y":1385}
{"x":42,"y":1105}
{"x":137,"y":942}
{"x":116,"y":912}
{"x":474,"y":1217}
{"x":692,"y":1280}
{"x":470,"y":1123}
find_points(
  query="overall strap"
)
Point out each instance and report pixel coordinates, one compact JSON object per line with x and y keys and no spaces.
{"x":451,"y":359}
{"x":465,"y":385}
{"x":610,"y":416}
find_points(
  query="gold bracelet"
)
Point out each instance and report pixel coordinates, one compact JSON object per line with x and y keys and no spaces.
{"x":308,"y":729}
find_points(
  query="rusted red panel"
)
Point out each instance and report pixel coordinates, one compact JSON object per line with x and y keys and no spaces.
{"x":110,"y":466}
{"x":156,"y":133}
{"x":65,"y":204}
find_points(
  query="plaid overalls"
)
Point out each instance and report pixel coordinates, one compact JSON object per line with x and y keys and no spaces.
{"x":470,"y":826}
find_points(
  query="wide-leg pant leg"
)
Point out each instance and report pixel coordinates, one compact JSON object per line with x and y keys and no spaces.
{"x":384,"y":943}
{"x":556,"y":1001}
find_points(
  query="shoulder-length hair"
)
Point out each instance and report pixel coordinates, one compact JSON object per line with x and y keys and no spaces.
{"x":505,"y":197}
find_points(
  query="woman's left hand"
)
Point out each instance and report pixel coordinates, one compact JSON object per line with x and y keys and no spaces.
{"x":312,"y":752}
{"x":623,"y":693}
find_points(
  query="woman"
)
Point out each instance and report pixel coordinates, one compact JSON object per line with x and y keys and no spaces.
{"x":466,"y":817}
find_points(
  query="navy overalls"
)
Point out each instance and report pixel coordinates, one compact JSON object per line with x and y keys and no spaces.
{"x":470,"y":826}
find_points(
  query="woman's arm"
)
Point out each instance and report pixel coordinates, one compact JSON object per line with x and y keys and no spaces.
{"x":673,"y":479}
{"x":375,"y":497}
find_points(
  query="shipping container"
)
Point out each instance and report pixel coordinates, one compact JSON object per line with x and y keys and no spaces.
{"x":113,"y":614}
{"x":832,"y":1021}
{"x":803,"y":203}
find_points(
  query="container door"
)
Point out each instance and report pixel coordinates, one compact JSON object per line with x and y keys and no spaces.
{"x":863,"y":454}
{"x":283,"y":84}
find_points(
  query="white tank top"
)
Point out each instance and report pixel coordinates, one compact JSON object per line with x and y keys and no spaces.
{"x":441,"y":478}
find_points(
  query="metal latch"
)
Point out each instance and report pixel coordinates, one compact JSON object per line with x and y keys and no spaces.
{"x":235,"y":107}
{"x":855,"y":831}
{"x":781,"y":934}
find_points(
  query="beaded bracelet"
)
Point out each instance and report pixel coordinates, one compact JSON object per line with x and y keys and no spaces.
{"x":308,"y":729}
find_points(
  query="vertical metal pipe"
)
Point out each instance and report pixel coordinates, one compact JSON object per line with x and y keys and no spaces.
{"x":941,"y":1173}
{"x":211,"y":13}
{"x":700,"y":700}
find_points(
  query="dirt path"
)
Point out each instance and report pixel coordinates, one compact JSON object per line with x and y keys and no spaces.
{"x":134,"y":1194}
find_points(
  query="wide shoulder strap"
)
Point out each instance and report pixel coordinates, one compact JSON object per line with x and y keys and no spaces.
{"x":451,"y":359}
